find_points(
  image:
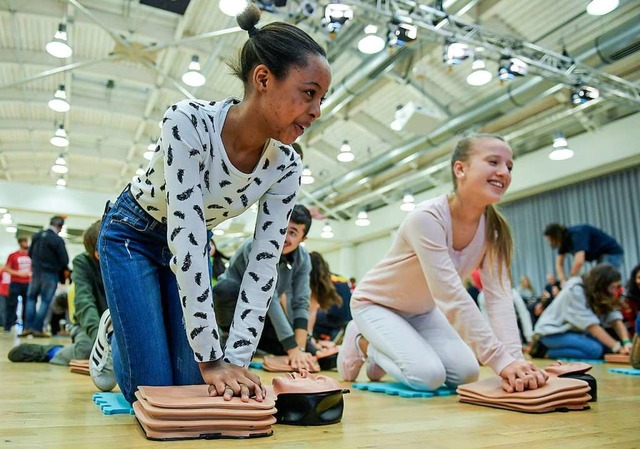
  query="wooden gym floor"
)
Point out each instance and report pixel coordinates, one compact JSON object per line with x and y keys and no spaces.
{"x":46,"y":406}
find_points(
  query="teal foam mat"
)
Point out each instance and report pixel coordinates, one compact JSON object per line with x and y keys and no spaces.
{"x":628,"y":371}
{"x":589,"y":361}
{"x":112,"y":404}
{"x":256,"y":365}
{"x":399,"y":389}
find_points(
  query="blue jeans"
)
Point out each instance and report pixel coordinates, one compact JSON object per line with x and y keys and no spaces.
{"x":612,"y":259}
{"x":43,"y":285}
{"x":150,"y":345}
{"x":573,"y":345}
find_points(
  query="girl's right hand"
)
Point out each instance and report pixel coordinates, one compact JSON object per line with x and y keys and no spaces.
{"x":522,"y":375}
{"x":228,"y":380}
{"x":299,"y":359}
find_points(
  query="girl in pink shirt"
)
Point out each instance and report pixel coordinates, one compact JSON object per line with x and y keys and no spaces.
{"x":412,"y":316}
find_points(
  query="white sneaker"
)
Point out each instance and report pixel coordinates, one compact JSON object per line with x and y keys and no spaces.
{"x":100,"y":361}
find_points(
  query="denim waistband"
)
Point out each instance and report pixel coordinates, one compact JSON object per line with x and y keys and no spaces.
{"x":127,"y":200}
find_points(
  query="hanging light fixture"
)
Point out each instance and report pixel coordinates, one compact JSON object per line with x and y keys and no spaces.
{"x":3,"y":210}
{"x":345,"y":154}
{"x":561,"y":150}
{"x":58,"y":47}
{"x":455,"y":52}
{"x":327,"y":232}
{"x":510,"y":68}
{"x":59,"y":138}
{"x":582,"y":94}
{"x":363,"y":219}
{"x":11,"y":229}
{"x":61,"y":182}
{"x":371,"y":43}
{"x":6,"y":219}
{"x":140,"y":171}
{"x":307,"y":176}
{"x":60,"y":165}
{"x":408,"y":203}
{"x":232,"y":7}
{"x":192,"y":77}
{"x":479,"y":75}
{"x":602,"y":7}
{"x":59,"y":101}
{"x":218,"y":232}
{"x":336,"y":16}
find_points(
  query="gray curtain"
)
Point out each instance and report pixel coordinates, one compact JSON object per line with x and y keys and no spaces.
{"x":611,"y":203}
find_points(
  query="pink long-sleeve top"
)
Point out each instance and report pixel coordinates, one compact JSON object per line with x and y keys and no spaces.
{"x":423,"y":271}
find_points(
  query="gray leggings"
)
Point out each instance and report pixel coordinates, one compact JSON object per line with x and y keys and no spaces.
{"x":80,"y":349}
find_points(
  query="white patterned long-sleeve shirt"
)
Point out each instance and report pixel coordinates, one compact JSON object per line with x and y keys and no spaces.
{"x":191,"y":186}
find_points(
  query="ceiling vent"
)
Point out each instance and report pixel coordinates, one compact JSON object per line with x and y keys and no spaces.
{"x":175,"y":6}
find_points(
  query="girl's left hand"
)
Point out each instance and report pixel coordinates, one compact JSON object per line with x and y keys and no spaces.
{"x":522,"y":375}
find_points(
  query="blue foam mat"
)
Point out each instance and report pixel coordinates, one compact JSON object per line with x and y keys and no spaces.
{"x":399,"y":389}
{"x":112,"y":404}
{"x":589,"y":361}
{"x":256,"y":365}
{"x":628,"y":371}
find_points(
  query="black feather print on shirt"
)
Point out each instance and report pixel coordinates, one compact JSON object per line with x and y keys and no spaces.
{"x":266,"y":164}
{"x":224,"y":183}
{"x":283,"y":231}
{"x":201,"y":315}
{"x":266,"y":225}
{"x":244,"y":188}
{"x":245,"y":313}
{"x":253,"y":331}
{"x":288,"y":199}
{"x":265,"y":208}
{"x":261,"y":319}
{"x":225,"y":169}
{"x":194,"y":121}
{"x":264,"y":255}
{"x":138,"y":195}
{"x":194,"y":152}
{"x":285,"y":176}
{"x":254,"y":276}
{"x":285,"y":150}
{"x":258,"y":181}
{"x":169,"y":156}
{"x":198,"y":210}
{"x":186,"y":264}
{"x":163,"y":220}
{"x":204,"y":296}
{"x":150,"y":172}
{"x":195,"y":106}
{"x":215,"y":206}
{"x":214,"y":332}
{"x":147,"y":181}
{"x":274,"y":243}
{"x":289,"y":214}
{"x":245,"y":201}
{"x":184,"y":302}
{"x":243,"y":296}
{"x":201,"y":167}
{"x":153,"y":192}
{"x":192,"y":239}
{"x":180,"y":175}
{"x":266,"y":287}
{"x":225,"y":214}
{"x":176,"y":132}
{"x":206,"y":129}
{"x":212,"y":355}
{"x":198,"y":356}
{"x":152,"y":209}
{"x":293,"y":164}
{"x":163,"y":186}
{"x":281,"y":167}
{"x":174,"y":107}
{"x":198,"y":278}
{"x":179,"y":214}
{"x":206,"y":180}
{"x":185,"y":195}
{"x":228,"y":200}
{"x":164,"y":119}
{"x":197,"y":331}
{"x":241,"y":343}
{"x":175,"y":232}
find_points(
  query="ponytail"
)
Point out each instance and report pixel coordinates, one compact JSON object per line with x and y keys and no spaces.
{"x":499,"y":240}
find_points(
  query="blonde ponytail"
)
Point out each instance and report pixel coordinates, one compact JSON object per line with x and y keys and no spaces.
{"x":499,"y":240}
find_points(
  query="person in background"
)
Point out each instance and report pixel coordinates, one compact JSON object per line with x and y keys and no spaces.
{"x":5,"y":281}
{"x":18,"y":266}
{"x":285,"y":327}
{"x":473,"y":291}
{"x":631,"y":301}
{"x":352,"y":284}
{"x":526,"y":290}
{"x":413,"y":318}
{"x":326,"y":307}
{"x":90,"y":303}
{"x":214,"y":159}
{"x":218,"y":262}
{"x":49,"y":259}
{"x":574,"y":325}
{"x":587,"y":244}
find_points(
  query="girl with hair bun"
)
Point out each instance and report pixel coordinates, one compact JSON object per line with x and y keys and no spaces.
{"x":412,"y":316}
{"x":214,"y":159}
